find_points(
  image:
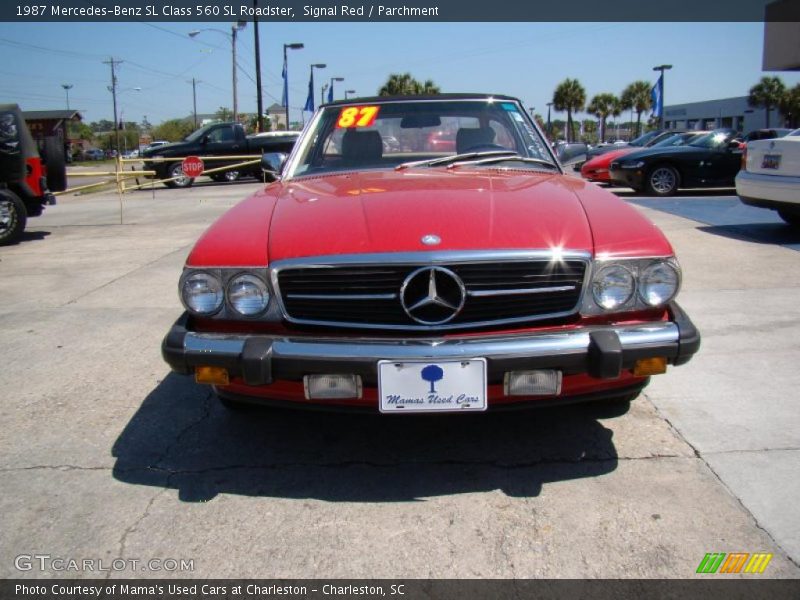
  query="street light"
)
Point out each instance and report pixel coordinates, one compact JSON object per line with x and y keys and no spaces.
{"x":235,"y":28}
{"x":330,"y":92}
{"x":348,"y":92}
{"x":661,"y":68}
{"x":295,"y":46}
{"x":311,"y":85}
{"x":67,"y":87}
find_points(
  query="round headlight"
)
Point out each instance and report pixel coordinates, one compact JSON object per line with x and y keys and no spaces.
{"x":248,"y":295}
{"x":202,"y":293}
{"x":658,"y":283}
{"x":613,"y":286}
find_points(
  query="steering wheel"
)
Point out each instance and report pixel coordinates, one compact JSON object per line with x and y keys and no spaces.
{"x":485,"y":148}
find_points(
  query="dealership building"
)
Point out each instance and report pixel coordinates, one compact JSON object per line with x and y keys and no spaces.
{"x":734,"y":113}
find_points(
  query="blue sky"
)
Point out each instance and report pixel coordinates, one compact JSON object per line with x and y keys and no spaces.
{"x":527,"y":60}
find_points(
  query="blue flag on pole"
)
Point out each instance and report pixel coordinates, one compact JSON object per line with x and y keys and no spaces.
{"x":310,"y":100}
{"x":330,"y":92}
{"x":656,"y":95}
{"x":285,"y":96}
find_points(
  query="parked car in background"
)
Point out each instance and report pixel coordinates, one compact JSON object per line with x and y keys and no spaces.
{"x":766,"y":134}
{"x":597,"y":169}
{"x":93,"y":154}
{"x":770,"y":176}
{"x":427,"y":281}
{"x":29,"y":174}
{"x":640,"y":142}
{"x":711,"y":160}
{"x":217,"y":140}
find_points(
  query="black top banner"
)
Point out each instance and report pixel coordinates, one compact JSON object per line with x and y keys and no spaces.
{"x":403,"y":11}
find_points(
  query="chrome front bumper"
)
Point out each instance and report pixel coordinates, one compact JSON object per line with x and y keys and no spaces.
{"x":600,"y":351}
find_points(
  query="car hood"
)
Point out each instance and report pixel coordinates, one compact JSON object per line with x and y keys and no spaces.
{"x":392,"y":211}
{"x":167,"y":149}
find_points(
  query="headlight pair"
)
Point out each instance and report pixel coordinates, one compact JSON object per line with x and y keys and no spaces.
{"x":204,"y":293}
{"x":632,"y":284}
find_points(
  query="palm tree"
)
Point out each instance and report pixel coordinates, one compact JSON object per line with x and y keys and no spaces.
{"x":406,"y":85}
{"x":766,"y":94}
{"x":603,"y":106}
{"x":571,"y":97}
{"x":790,"y":106}
{"x":637,"y":97}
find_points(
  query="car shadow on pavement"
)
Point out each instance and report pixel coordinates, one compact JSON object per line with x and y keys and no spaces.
{"x":182,"y":438}
{"x":779,"y":234}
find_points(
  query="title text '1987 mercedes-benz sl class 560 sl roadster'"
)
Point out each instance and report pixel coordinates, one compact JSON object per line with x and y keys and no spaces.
{"x":412,"y":279}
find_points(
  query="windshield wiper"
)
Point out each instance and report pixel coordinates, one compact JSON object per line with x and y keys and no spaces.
{"x":454,"y":158}
{"x":496,"y":159}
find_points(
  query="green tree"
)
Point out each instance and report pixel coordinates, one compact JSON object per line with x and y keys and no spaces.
{"x":223,"y":114}
{"x":637,"y":97}
{"x":603,"y":106}
{"x":766,"y":94}
{"x":571,"y":97}
{"x":173,"y":130}
{"x":790,"y":106}
{"x":405,"y":85}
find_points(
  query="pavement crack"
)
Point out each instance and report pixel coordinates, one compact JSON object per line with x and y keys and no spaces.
{"x":123,"y":540}
{"x":722,"y":481}
{"x":115,"y":279}
{"x":182,"y":433}
{"x":54,"y":468}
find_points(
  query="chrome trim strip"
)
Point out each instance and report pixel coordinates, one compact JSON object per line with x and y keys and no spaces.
{"x":342,"y":296}
{"x":424,"y":259}
{"x":519,"y":292}
{"x":497,"y":347}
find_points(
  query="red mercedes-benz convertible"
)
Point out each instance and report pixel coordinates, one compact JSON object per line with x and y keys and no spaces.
{"x":420,"y":281}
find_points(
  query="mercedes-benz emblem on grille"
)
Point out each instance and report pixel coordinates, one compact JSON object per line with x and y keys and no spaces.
{"x":431,"y":240}
{"x":432,"y":295}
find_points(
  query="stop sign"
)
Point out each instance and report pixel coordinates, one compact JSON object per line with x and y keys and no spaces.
{"x":193,"y":166}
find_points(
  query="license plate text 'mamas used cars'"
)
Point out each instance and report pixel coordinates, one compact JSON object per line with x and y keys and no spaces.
{"x":406,"y":279}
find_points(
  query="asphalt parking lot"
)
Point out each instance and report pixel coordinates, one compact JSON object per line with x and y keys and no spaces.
{"x":104,"y":454}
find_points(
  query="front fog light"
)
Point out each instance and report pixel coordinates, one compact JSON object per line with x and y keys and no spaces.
{"x":202,"y":293}
{"x":658,"y":283}
{"x":248,"y":295}
{"x":532,"y":383}
{"x":613,"y":287}
{"x":332,"y":387}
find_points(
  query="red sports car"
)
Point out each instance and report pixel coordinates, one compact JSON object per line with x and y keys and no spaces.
{"x":408,"y":281}
{"x":597,"y":169}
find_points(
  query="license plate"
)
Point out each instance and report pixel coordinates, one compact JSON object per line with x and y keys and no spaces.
{"x":432,"y":386}
{"x":771,"y":161}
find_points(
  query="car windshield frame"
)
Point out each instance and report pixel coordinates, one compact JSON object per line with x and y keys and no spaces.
{"x":312,"y":151}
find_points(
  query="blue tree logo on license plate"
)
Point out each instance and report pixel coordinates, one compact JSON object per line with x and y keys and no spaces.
{"x":432,"y":374}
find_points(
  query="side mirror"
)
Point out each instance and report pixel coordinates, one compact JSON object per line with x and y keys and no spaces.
{"x":205,"y":139}
{"x":272,"y":163}
{"x":571,"y":154}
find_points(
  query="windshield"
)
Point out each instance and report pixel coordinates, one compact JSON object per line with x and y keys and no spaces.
{"x":795,"y":133}
{"x":193,"y":137}
{"x":383,"y":135}
{"x":676,"y":139}
{"x":715,"y":139}
{"x":643,"y":139}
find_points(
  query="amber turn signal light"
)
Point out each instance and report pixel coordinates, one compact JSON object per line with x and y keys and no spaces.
{"x":650,"y":366}
{"x":212,"y":375}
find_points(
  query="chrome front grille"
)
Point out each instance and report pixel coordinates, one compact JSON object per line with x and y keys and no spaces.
{"x":497,"y":289}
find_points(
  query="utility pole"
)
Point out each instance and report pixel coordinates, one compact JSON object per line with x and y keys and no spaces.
{"x":113,"y":89}
{"x":194,"y":101}
{"x":259,"y":99}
